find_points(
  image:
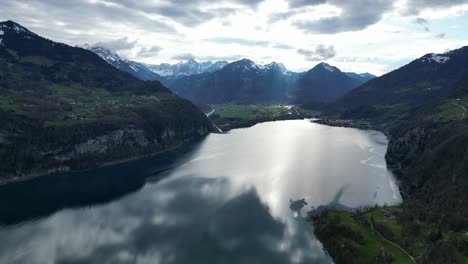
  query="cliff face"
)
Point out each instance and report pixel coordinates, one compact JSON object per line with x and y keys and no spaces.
{"x":27,"y":147}
{"x":403,"y":148}
{"x":433,"y":161}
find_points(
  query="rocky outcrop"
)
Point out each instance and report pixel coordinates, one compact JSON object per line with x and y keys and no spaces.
{"x":131,"y":138}
{"x":402,"y":149}
{"x":36,"y":150}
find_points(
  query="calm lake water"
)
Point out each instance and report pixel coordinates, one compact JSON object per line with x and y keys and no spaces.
{"x":224,"y":199}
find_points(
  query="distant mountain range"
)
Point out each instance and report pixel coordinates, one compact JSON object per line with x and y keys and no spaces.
{"x":165,"y":73}
{"x":246,"y":82}
{"x":64,"y":107}
{"x":190,"y":67}
{"x":243,"y":81}
{"x":362,"y":77}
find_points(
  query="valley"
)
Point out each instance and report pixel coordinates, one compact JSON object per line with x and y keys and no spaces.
{"x":233,"y":132}
{"x":228,"y":116}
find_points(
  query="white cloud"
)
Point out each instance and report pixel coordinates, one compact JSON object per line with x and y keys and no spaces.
{"x":163,"y":31}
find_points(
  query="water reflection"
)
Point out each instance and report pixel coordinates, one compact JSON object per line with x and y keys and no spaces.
{"x":43,"y":196}
{"x":224,"y":200}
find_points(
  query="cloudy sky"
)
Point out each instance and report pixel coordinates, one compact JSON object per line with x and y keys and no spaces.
{"x":374,"y":36}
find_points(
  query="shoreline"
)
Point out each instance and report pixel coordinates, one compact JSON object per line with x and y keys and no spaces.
{"x":37,"y":174}
{"x":247,"y":124}
{"x":104,"y":164}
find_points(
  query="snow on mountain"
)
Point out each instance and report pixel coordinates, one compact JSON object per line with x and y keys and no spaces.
{"x":327,"y":67}
{"x":438,"y":58}
{"x":10,"y":27}
{"x":189,"y":67}
{"x":136,"y":69}
{"x":248,"y":65}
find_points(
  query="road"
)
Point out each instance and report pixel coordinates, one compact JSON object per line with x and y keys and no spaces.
{"x":210,"y":113}
{"x":388,"y":241}
{"x":459,"y":105}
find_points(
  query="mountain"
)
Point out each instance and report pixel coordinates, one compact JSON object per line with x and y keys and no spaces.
{"x":361,"y":77}
{"x":190,"y":67}
{"x":323,"y":83}
{"x":420,"y":84}
{"x":136,"y":69}
{"x":422,"y":108}
{"x":65,"y":108}
{"x":238,"y":82}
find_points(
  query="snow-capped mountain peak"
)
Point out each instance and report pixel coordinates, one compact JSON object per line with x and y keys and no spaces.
{"x":14,"y":27}
{"x":136,"y":69}
{"x":275,"y":65}
{"x":437,"y":58}
{"x":104,"y":53}
{"x":189,"y":67}
{"x":10,"y":28}
{"x":328,"y":67}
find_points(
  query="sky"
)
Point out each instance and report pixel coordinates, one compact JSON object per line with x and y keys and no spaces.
{"x":374,"y":36}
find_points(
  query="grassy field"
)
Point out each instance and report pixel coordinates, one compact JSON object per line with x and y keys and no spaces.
{"x":451,"y":110}
{"x":247,"y":112}
{"x":358,"y":236}
{"x":68,"y":105}
{"x":230,"y":116}
{"x":378,"y":236}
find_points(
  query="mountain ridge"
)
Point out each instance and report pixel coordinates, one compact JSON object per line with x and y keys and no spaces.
{"x":136,"y":69}
{"x":181,"y":69}
{"x":64,"y":108}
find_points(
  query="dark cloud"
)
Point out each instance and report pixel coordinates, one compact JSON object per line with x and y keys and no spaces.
{"x":240,"y":41}
{"x":72,"y":21}
{"x":117,"y":44}
{"x":414,"y":7}
{"x":423,"y":23}
{"x":301,"y":3}
{"x":440,"y":36}
{"x":321,"y":52}
{"x":276,"y":17}
{"x":356,"y":15}
{"x":420,"y":21}
{"x":149,"y":52}
{"x":187,"y":13}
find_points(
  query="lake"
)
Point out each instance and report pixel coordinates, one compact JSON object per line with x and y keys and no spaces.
{"x":228,"y":198}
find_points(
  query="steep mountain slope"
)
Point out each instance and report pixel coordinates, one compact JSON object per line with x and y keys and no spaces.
{"x":240,"y":82}
{"x":323,"y":83}
{"x":422,"y":107}
{"x":65,"y":108}
{"x":421,"y":83}
{"x":190,"y":67}
{"x":136,"y":69}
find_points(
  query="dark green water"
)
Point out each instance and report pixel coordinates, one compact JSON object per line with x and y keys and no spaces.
{"x":225,"y":199}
